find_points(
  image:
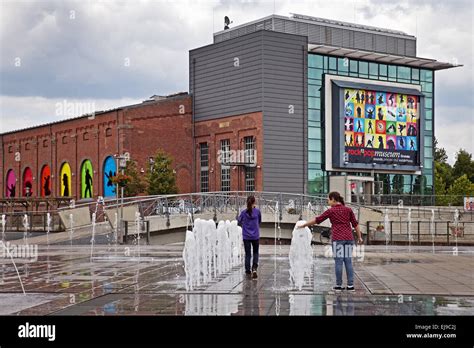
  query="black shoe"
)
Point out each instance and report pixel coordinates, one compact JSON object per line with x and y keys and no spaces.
{"x":338,"y":288}
{"x":350,"y":288}
{"x":254,"y":274}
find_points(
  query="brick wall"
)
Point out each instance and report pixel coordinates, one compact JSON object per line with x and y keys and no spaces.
{"x":234,"y":128}
{"x":139,"y":129}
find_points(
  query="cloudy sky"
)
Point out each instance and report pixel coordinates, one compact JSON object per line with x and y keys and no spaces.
{"x":59,"y":58}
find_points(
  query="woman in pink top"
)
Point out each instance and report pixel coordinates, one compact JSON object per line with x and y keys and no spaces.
{"x":342,"y":220}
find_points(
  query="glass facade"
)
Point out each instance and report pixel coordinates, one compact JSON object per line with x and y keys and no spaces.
{"x":318,"y":65}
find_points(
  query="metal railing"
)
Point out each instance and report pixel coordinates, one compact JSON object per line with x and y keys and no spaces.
{"x":36,"y":204}
{"x":408,"y":199}
{"x":146,"y":232}
{"x":37,"y":222}
{"x":425,"y":212}
{"x":421,"y":232}
{"x":214,"y":203}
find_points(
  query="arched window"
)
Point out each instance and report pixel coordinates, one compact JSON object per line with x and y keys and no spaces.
{"x":110,"y":170}
{"x":45,"y":181}
{"x":10,"y":188}
{"x":27,"y":182}
{"x":108,"y":132}
{"x":87,"y":178}
{"x":65,"y":180}
{"x":85,"y":136}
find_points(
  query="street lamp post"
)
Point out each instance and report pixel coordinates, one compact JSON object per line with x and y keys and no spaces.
{"x":122,"y":164}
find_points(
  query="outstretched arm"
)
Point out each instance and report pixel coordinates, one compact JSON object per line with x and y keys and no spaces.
{"x":316,"y":220}
{"x":309,"y":223}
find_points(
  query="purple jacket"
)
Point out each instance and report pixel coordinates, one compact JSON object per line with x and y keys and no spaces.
{"x":250,"y":224}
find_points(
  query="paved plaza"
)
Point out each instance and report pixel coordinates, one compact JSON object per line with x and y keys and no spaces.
{"x":150,"y":280}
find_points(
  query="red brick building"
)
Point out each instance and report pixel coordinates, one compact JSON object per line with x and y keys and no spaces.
{"x":139,"y":129}
{"x":82,"y":147}
{"x":236,"y":131}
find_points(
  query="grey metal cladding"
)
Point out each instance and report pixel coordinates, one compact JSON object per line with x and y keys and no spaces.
{"x":410,"y":47}
{"x":329,"y":35}
{"x":315,"y":33}
{"x":401,"y":47}
{"x":391,"y":45}
{"x":272,"y":76}
{"x":336,"y":39}
{"x":380,"y":43}
{"x":279,"y":24}
{"x":359,"y":40}
{"x":284,"y":85}
{"x":219,"y":88}
{"x":346,"y":38}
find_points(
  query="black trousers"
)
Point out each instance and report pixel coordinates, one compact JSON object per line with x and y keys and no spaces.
{"x":248,"y":244}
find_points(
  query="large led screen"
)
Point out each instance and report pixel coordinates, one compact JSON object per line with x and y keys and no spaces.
{"x":377,"y":127}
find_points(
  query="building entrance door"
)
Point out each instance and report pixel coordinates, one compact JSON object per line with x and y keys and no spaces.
{"x":355,"y":189}
{"x":361,"y":191}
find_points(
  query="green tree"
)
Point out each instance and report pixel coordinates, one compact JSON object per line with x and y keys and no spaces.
{"x":443,"y":172}
{"x":161,"y":177}
{"x":440,"y":189}
{"x":461,"y":187}
{"x":137,"y":185}
{"x":463,"y":165}
{"x":439,"y":153}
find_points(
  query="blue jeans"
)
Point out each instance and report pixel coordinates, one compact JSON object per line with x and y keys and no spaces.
{"x":342,"y":252}
{"x":248,"y":255}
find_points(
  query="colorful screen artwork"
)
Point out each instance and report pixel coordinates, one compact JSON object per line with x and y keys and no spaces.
{"x":110,"y":170}
{"x":87,"y":175}
{"x":65,"y":180}
{"x":10,"y":189}
{"x":45,"y":181}
{"x":27,"y":182}
{"x":380,"y":127}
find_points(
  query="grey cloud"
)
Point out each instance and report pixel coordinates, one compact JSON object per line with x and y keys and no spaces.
{"x":83,"y":58}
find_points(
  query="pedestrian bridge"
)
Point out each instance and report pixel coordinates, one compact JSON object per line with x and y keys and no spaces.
{"x":164,"y":218}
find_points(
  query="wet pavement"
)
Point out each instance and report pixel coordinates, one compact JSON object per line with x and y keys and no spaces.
{"x":150,"y":280}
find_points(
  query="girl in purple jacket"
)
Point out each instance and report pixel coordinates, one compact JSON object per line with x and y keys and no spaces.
{"x":250,"y":220}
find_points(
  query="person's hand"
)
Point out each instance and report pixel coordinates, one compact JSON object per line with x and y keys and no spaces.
{"x":300,"y":224}
{"x":360,"y":240}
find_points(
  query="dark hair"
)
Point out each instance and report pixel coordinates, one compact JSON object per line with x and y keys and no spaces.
{"x":336,"y":196}
{"x":250,"y":203}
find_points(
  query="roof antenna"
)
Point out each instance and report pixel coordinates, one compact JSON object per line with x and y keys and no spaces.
{"x":227,"y":22}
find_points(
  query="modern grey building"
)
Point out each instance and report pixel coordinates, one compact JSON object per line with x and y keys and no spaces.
{"x":317,"y":84}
